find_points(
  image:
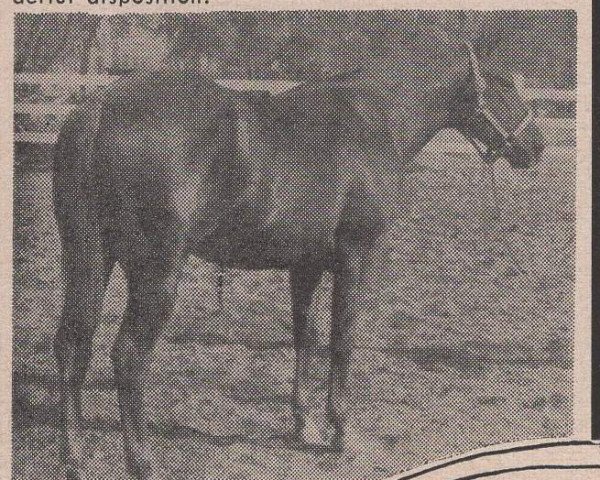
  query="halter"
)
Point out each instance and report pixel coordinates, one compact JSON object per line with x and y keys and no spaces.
{"x":488,"y":154}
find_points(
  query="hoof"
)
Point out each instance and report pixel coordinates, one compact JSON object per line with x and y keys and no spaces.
{"x":311,"y":434}
{"x":141,"y":471}
{"x":71,"y":473}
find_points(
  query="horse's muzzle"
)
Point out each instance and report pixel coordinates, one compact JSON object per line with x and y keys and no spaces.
{"x":522,"y":157}
{"x":525,"y":152}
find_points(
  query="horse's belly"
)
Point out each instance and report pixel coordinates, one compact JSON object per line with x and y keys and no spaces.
{"x":283,"y":216}
{"x":276,"y":240}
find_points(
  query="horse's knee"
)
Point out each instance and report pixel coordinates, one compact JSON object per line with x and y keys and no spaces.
{"x":61,"y":341}
{"x":340,"y":361}
{"x":306,"y":340}
{"x":124,"y":356}
{"x":129,"y":355}
{"x":70,"y":342}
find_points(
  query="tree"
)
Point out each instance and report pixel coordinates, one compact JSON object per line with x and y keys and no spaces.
{"x":46,"y":42}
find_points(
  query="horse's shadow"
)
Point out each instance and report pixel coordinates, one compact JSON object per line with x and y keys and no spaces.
{"x":25,"y":414}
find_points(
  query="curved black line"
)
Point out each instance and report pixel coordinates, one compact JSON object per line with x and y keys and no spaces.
{"x":528,"y":469}
{"x":573,"y":443}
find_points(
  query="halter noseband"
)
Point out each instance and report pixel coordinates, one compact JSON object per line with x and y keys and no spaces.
{"x":490,"y":155}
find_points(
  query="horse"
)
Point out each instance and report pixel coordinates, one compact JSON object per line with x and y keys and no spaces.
{"x":170,"y":164}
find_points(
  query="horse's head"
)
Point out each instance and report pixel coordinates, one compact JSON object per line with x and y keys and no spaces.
{"x":494,"y":116}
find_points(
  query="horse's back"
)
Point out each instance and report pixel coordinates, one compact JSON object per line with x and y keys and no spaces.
{"x":169,"y":163}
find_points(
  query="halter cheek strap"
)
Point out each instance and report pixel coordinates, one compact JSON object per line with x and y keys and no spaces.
{"x":507,"y":136}
{"x":480,"y":83}
{"x":529,"y":118}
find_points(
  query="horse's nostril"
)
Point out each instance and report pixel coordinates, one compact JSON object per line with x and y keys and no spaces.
{"x":539,"y":148}
{"x":535,"y":149}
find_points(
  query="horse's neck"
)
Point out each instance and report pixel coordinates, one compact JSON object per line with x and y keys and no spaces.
{"x":417,"y":129}
{"x":433,"y":113}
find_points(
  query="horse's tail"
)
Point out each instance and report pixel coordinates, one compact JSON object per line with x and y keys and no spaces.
{"x":75,"y":195}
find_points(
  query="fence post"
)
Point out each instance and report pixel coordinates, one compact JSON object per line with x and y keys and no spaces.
{"x":89,"y":64}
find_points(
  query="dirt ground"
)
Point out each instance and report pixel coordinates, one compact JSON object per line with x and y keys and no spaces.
{"x":470,"y":344}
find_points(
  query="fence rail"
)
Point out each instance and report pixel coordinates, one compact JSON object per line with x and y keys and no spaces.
{"x":64,"y":79}
{"x":98,"y":80}
{"x":60,"y":109}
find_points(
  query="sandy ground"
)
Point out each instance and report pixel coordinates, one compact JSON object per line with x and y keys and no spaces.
{"x":470,"y":344}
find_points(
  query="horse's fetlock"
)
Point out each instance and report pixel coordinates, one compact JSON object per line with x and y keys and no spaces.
{"x":307,"y":349}
{"x":128,"y":357}
{"x":340,"y":356}
{"x":339,"y":406}
{"x":298,"y":415}
{"x":337,"y":409}
{"x":123,"y":354}
{"x":69,"y":341}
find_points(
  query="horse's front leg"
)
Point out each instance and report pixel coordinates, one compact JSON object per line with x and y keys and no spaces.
{"x":303,"y":282}
{"x":354,"y":258}
{"x":152,"y":294}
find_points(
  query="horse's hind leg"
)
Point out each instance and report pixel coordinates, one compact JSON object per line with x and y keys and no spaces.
{"x":354,"y":257}
{"x":152,"y":293}
{"x":303,"y":281}
{"x":86,"y":279}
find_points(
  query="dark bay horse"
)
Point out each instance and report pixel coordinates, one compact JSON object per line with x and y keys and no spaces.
{"x":169,"y":165}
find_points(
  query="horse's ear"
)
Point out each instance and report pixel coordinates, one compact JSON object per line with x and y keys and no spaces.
{"x":484,"y":30}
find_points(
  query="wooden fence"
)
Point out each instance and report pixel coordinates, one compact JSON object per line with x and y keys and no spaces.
{"x":554,"y":108}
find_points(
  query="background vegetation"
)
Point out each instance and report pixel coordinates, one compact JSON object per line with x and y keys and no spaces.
{"x":537,"y":44}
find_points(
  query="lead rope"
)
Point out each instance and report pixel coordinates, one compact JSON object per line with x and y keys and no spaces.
{"x":219,"y":285}
{"x":492,"y":213}
{"x":495,"y":205}
{"x":488,"y":176}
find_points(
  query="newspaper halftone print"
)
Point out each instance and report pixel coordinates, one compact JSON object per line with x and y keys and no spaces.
{"x":290,"y":244}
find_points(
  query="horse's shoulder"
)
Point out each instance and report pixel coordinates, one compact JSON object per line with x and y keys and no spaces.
{"x":363,"y":104}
